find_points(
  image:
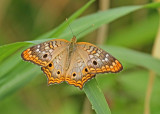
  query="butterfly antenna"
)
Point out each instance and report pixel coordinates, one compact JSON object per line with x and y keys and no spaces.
{"x":69,"y":26}
{"x":85,"y":30}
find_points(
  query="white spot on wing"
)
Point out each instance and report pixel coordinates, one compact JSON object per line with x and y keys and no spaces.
{"x":97,"y":54}
{"x":106,"y":59}
{"x":38,"y":46}
{"x":98,"y":60}
{"x":47,"y":48}
{"x":99,"y":51}
{"x":90,"y":50}
{"x":91,"y":56}
{"x":54,"y":44}
{"x":107,"y":55}
{"x":46,"y":44}
{"x":37,"y":50}
{"x":50,"y":50}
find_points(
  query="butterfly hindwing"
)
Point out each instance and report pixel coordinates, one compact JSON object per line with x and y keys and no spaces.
{"x":42,"y":54}
{"x":56,"y":70}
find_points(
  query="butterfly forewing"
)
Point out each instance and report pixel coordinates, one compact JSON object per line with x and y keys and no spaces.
{"x":98,"y":60}
{"x":42,"y":54}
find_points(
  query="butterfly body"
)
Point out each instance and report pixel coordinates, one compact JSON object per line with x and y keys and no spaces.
{"x":72,"y":62}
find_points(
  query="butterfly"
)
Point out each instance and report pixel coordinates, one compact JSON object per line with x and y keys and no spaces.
{"x":75,"y":63}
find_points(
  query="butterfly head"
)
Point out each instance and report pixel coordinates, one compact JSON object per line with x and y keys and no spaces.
{"x":74,"y":40}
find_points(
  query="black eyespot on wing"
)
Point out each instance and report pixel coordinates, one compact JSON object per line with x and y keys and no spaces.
{"x":50,"y":65}
{"x":95,"y":62}
{"x":58,"y":72}
{"x":45,"y":55}
{"x":86,"y":70}
{"x":74,"y":74}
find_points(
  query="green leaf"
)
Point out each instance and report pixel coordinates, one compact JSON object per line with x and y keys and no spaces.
{"x":96,"y":97}
{"x":10,"y":63}
{"x":136,"y":34}
{"x":105,"y":18}
{"x":152,"y":5}
{"x":10,"y":84}
{"x":7,"y":50}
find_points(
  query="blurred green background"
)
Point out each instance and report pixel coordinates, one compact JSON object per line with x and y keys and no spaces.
{"x":24,"y":20}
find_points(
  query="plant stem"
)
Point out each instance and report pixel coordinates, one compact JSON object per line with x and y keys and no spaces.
{"x":152,"y":75}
